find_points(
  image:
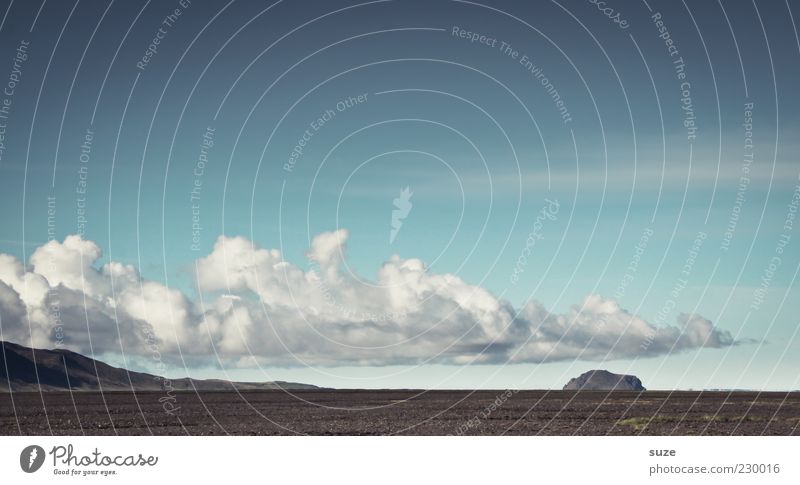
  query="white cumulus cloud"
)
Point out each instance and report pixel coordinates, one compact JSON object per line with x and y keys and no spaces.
{"x":258,"y":308}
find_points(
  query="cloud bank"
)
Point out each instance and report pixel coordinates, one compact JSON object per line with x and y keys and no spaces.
{"x":255,"y":307}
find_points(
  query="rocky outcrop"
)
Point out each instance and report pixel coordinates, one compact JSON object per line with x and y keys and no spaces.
{"x":603,"y":380}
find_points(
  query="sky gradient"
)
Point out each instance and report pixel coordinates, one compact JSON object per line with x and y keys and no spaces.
{"x":583,"y":192}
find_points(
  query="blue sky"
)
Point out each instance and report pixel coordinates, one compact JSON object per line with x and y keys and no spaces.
{"x":476,"y":137}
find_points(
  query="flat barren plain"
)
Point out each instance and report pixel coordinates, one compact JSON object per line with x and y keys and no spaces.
{"x":405,"y":412}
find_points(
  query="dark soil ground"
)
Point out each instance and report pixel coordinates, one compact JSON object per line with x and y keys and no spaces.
{"x":367,"y":412}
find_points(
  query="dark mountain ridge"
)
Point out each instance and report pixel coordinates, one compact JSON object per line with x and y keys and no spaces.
{"x":26,"y":369}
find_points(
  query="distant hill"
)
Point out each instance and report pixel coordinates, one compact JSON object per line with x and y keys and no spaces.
{"x":26,"y":369}
{"x":603,"y":380}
